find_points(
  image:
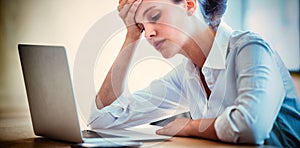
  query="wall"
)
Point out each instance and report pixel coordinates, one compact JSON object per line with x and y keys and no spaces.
{"x":65,"y":22}
{"x":58,"y":22}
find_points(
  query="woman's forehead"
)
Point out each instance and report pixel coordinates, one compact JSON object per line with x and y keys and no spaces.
{"x":147,"y":4}
{"x":159,"y":1}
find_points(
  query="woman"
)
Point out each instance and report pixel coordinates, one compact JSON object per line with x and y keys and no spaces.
{"x":234,"y":85}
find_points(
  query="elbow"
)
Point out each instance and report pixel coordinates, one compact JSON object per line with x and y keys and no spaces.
{"x":101,"y":125}
{"x":253,"y":136}
{"x":253,"y":132}
{"x":101,"y":122}
{"x":93,"y":125}
{"x":246,"y":136}
{"x":97,"y":125}
{"x":243,"y":129}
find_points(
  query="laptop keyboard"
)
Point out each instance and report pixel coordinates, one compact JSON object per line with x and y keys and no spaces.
{"x":93,"y":134}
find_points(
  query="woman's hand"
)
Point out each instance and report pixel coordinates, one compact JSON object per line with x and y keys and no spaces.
{"x":179,"y":127}
{"x":127,"y":11}
{"x":203,"y":128}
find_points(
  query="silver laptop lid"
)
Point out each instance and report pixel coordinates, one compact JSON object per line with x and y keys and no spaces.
{"x":49,"y":92}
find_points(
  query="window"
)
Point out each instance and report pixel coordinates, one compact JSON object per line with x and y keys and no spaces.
{"x":277,"y":21}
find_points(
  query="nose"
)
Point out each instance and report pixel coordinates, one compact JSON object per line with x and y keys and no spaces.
{"x":149,"y":31}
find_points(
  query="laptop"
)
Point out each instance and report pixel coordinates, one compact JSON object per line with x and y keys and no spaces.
{"x":52,"y":103}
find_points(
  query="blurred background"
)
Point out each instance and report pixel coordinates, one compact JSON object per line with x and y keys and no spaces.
{"x":65,"y":22}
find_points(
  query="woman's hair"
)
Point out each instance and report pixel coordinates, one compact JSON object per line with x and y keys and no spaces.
{"x":212,"y":11}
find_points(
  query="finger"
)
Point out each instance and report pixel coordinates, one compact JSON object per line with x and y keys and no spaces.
{"x":121,"y":4}
{"x":134,"y":8}
{"x":168,"y":125}
{"x":171,"y":129}
{"x":124,"y":2}
{"x":166,"y":131}
{"x":130,"y":1}
{"x":160,"y":131}
{"x":129,"y":11}
{"x":124,"y":11}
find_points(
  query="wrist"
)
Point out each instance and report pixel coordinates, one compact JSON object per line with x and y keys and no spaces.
{"x":133,"y":36}
{"x":133,"y":33}
{"x":193,"y":128}
{"x":131,"y":42}
{"x":203,"y":128}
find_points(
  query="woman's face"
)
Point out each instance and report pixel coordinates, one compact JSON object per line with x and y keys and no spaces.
{"x":165,"y":24}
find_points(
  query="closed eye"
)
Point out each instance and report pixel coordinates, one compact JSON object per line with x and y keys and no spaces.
{"x":154,"y":16}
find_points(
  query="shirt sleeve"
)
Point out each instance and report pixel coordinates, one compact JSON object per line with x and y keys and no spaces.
{"x":260,"y":95}
{"x":162,"y":98}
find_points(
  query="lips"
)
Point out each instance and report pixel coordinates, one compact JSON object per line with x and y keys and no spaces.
{"x":158,"y":44}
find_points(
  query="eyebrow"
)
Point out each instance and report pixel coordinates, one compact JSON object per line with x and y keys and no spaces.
{"x":148,"y":10}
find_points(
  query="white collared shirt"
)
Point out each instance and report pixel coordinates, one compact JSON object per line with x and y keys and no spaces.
{"x":248,"y":84}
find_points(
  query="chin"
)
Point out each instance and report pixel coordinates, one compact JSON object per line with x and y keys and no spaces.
{"x":168,"y":55}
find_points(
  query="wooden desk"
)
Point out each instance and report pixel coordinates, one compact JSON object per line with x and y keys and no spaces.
{"x":16,"y":131}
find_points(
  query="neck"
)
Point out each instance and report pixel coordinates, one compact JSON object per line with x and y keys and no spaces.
{"x":199,"y":44}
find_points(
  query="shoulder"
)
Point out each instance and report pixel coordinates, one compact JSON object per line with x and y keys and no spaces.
{"x":241,"y":39}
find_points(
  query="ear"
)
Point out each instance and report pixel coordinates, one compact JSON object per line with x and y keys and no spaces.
{"x":191,"y":6}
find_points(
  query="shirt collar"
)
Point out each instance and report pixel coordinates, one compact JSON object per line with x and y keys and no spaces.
{"x":217,"y":55}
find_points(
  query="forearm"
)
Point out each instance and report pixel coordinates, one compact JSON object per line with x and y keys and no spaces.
{"x":112,"y":86}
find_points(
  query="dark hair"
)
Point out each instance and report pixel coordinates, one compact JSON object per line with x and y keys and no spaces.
{"x":212,"y":11}
{"x":177,"y":1}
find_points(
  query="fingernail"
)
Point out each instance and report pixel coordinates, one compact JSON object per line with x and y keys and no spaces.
{"x":157,"y":132}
